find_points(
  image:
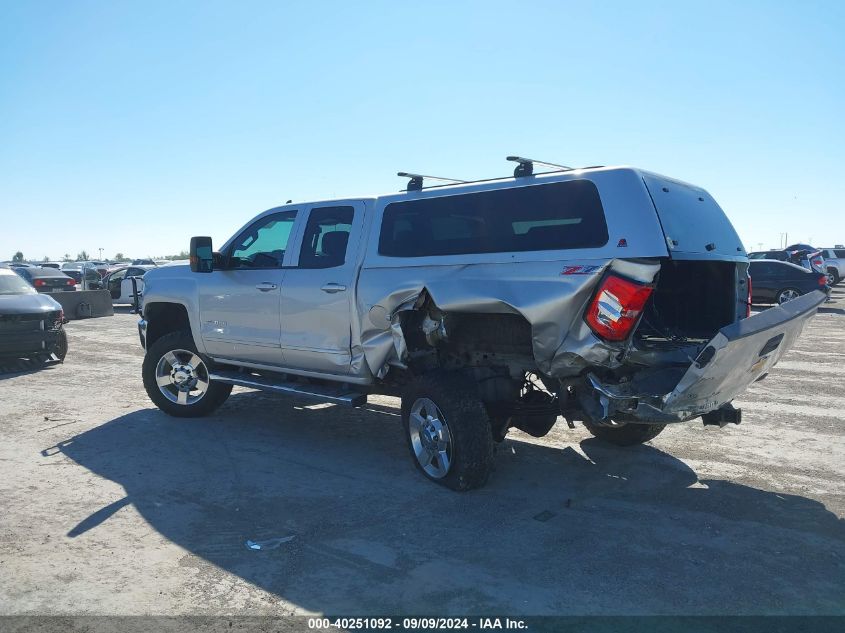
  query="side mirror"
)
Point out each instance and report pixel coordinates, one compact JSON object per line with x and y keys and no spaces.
{"x":202,"y":259}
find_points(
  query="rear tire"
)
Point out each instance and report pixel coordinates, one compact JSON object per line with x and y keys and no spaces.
{"x":628,"y":434}
{"x":448,"y":430}
{"x":833,"y":277}
{"x":175,"y":355}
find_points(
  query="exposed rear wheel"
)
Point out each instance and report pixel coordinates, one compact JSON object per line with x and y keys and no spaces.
{"x":176,"y":378}
{"x":832,"y":277}
{"x":627,"y":434}
{"x":448,"y":430}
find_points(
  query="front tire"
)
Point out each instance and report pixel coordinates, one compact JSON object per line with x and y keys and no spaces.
{"x":176,"y":378}
{"x":627,"y":434}
{"x":60,"y":350}
{"x":832,"y":277}
{"x":448,"y":430}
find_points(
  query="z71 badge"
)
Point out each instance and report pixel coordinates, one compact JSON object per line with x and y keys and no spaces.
{"x":580,"y":270}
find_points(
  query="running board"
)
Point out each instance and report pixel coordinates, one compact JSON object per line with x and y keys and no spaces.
{"x":339,"y":395}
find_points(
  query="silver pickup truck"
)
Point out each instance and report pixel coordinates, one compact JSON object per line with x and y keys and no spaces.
{"x":609,"y":296}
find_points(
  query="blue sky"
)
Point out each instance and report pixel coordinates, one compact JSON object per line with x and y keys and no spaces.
{"x":132,"y":126}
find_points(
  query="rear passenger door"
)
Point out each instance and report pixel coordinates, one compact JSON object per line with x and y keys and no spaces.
{"x":318,"y":290}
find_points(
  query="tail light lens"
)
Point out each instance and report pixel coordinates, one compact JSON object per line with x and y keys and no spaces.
{"x":38,"y":283}
{"x":71,"y":282}
{"x":616,"y":307}
{"x":822,"y":280}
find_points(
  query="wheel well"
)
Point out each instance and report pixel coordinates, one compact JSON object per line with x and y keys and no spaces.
{"x":453,"y":340}
{"x":164,"y":318}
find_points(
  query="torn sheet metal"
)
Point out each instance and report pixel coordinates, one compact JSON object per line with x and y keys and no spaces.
{"x":550,"y":295}
{"x":737,"y":356}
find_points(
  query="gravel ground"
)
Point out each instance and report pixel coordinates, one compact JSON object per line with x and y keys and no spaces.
{"x":111,"y":507}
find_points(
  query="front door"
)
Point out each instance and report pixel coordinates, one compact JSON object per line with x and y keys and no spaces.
{"x":317,"y":292}
{"x":239,"y":305}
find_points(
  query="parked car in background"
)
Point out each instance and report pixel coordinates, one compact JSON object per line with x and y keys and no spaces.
{"x":811,"y":259}
{"x":774,"y":281}
{"x":834,"y":261}
{"x":811,"y":253}
{"x":46,"y":279}
{"x":93,"y":281}
{"x":119,"y":283}
{"x":143,"y":262}
{"x":30,"y":323}
{"x":102,"y":268}
{"x":56,"y":265}
{"x":777,"y":254}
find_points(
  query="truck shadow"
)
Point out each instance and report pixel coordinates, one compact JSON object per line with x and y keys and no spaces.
{"x":583,"y":529}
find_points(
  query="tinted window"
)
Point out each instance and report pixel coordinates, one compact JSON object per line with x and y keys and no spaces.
{"x":761,"y":269}
{"x":839,"y":253}
{"x":14,"y":285}
{"x":44,"y":272}
{"x":543,"y":217}
{"x":326,"y":237}
{"x":787,"y":269}
{"x":263,"y":244}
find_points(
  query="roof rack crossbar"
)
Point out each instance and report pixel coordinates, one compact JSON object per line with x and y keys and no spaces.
{"x":525,"y":166}
{"x":416,"y":180}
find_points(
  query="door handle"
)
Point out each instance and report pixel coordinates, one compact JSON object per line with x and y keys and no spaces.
{"x":333,"y":288}
{"x":266,"y":286}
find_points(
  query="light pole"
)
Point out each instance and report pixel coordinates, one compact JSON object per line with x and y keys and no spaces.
{"x":101,"y":254}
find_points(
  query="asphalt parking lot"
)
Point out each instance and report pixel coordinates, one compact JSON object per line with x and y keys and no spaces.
{"x":111,"y":507}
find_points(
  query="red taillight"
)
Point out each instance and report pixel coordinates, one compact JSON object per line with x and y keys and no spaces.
{"x":39,"y":282}
{"x":748,"y":303}
{"x":71,"y":282}
{"x":822,"y":280}
{"x":616,"y":307}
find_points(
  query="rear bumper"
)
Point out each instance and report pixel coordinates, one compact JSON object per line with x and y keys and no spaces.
{"x":737,"y":356}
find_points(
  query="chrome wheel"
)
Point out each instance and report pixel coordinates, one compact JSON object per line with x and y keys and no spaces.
{"x":182,"y":377}
{"x":788,"y":295}
{"x":831,"y":278}
{"x":430,"y":438}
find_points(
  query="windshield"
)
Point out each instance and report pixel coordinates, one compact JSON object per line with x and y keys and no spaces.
{"x":14,"y":285}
